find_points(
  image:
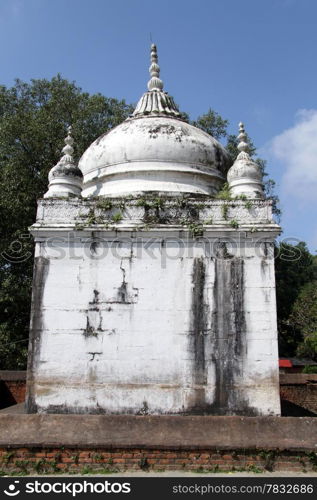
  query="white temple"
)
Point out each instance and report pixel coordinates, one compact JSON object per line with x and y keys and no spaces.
{"x":151,"y":294}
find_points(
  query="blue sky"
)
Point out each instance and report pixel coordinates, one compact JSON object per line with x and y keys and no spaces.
{"x":250,"y":60}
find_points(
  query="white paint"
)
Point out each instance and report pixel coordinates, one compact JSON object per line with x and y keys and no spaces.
{"x":144,"y":360}
{"x":153,"y":153}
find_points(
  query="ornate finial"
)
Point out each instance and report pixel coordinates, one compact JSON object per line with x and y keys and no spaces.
{"x":65,"y":179}
{"x":245,"y":175}
{"x":156,"y":101}
{"x":243,"y":146}
{"x":155,"y":83}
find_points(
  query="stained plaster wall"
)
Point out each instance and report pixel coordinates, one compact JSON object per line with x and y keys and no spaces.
{"x":153,"y":320}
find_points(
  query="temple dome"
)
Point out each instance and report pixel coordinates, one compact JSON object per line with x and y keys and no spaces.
{"x":154,"y":150}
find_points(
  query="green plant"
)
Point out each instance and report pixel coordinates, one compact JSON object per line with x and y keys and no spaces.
{"x":312,"y":456}
{"x":7,"y":457}
{"x":224,"y":211}
{"x":104,"y":204}
{"x":248,"y":204}
{"x":148,"y":202}
{"x":310,"y":369}
{"x":234,"y":223}
{"x":269,"y":459}
{"x":22,"y":464}
{"x":117,"y":217}
{"x":40,"y":465}
{"x":254,"y":468}
{"x":242,"y":197}
{"x":209,"y":222}
{"x":106,"y":470}
{"x":195,"y":229}
{"x":86,"y":470}
{"x":224,"y":193}
{"x":54,"y":466}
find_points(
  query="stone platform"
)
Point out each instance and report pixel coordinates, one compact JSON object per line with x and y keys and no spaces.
{"x":88,"y":443}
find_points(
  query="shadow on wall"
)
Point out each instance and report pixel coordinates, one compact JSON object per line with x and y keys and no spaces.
{"x":6,"y":399}
{"x":289,"y":409}
{"x":12,"y":388}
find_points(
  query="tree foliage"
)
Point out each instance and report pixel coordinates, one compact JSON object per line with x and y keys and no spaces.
{"x":304,"y":318}
{"x":33,"y":121}
{"x":212,"y":123}
{"x":295,"y":267}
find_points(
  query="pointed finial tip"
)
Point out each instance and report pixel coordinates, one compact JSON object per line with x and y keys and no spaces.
{"x":155,"y":83}
{"x":242,"y":139}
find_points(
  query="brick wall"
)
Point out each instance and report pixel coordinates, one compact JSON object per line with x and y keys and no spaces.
{"x":83,"y":461}
{"x":300,"y":389}
{"x":12,"y":387}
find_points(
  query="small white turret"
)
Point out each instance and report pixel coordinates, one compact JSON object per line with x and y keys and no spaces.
{"x":65,"y":179}
{"x":245,"y":175}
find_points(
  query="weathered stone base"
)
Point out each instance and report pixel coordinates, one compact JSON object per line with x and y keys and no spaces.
{"x":83,"y":444}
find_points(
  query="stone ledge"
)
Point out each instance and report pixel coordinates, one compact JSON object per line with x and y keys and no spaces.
{"x":163,"y":432}
{"x":109,"y":212}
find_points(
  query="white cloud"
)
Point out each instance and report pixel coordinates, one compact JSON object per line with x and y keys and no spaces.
{"x":296,"y":149}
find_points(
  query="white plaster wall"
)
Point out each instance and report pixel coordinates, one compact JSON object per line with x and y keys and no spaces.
{"x":137,"y":355}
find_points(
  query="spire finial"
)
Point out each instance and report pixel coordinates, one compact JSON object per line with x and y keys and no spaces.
{"x":155,"y":101}
{"x":65,"y":179}
{"x":155,"y":83}
{"x":243,"y":146}
{"x":68,"y":148}
{"x":245,"y":175}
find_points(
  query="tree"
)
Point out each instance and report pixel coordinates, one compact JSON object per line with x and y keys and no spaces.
{"x":304,"y":318}
{"x":212,"y":123}
{"x":295,"y":267}
{"x":33,"y":121}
